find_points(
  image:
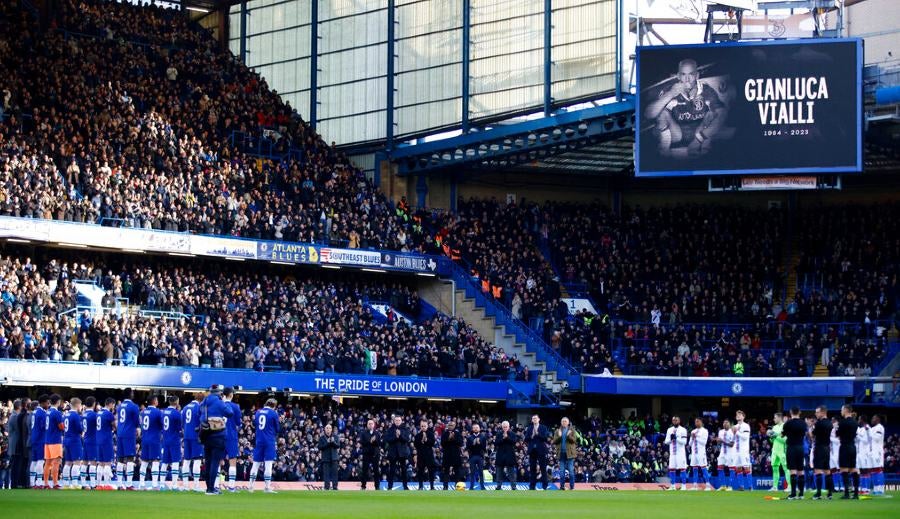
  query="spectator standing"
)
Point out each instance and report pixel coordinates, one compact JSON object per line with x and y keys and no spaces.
{"x":370,"y":441}
{"x":505,"y":448}
{"x":329,"y":445}
{"x":451,"y":466}
{"x":397,"y":439}
{"x":15,"y":445}
{"x":424,"y":444}
{"x":566,"y":450}
{"x":475,"y":444}
{"x":536,"y":435}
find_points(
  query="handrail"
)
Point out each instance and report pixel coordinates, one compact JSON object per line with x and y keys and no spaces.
{"x":555,"y":361}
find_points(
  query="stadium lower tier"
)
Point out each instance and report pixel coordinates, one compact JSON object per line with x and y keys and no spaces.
{"x":197,"y":314}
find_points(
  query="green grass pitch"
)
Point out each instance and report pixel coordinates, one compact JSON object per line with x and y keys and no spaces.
{"x":456,"y":505}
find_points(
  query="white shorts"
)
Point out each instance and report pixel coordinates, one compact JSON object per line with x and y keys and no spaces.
{"x":698,"y":459}
{"x":876,"y":460}
{"x":742,"y":459}
{"x":677,"y":462}
{"x":725,"y":460}
{"x":863,"y":460}
{"x":833,"y":459}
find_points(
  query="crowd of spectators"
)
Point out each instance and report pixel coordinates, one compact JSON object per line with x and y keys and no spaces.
{"x":684,"y":263}
{"x":229,"y":316}
{"x":850,"y":263}
{"x":123,"y":115}
{"x":763,"y":350}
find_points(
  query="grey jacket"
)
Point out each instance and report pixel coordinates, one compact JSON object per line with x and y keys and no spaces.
{"x":15,"y":435}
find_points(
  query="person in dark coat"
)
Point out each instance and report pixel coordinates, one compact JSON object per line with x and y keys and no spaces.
{"x":370,"y":439}
{"x":213,"y":413}
{"x":476,"y":444}
{"x":329,"y":445}
{"x":398,"y":452}
{"x":424,"y":443}
{"x":505,"y":447}
{"x":536,"y":436}
{"x":451,"y":442}
{"x":15,"y":445}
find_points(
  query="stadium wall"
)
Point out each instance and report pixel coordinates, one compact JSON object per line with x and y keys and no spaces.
{"x":543,"y":187}
{"x":876,"y":21}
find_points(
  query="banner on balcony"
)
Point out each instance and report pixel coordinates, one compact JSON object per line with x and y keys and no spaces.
{"x":69,"y":374}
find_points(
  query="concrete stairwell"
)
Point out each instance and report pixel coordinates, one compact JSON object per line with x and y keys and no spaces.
{"x":488,"y":328}
{"x":444,"y":296}
{"x":820,"y":371}
{"x":791,"y":260}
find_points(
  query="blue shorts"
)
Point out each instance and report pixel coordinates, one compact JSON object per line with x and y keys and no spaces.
{"x":73,"y":451}
{"x":171,"y":453}
{"x":126,"y":447}
{"x":105,"y":452}
{"x":232,"y":450}
{"x":37,"y":452}
{"x":193,"y":449}
{"x":90,"y":451}
{"x":264,"y":452}
{"x":151,"y":451}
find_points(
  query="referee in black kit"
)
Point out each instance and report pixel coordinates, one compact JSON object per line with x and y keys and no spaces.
{"x":847,"y":453}
{"x":822,"y":452}
{"x":795,"y":431}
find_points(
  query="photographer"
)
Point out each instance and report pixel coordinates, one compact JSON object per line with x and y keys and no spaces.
{"x":213,"y":412}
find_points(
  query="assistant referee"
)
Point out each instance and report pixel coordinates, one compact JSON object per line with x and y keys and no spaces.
{"x":795,"y":431}
{"x":847,"y":453}
{"x":822,"y":452}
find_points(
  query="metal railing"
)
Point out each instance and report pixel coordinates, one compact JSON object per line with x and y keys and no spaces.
{"x":533,"y":342}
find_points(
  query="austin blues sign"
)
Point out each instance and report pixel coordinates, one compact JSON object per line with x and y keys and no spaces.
{"x":409,"y":262}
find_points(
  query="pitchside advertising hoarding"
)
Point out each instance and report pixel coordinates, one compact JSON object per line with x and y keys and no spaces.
{"x":750,"y":108}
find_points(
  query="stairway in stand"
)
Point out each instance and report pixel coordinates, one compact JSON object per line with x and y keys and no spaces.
{"x":821,"y":371}
{"x":791,"y":260}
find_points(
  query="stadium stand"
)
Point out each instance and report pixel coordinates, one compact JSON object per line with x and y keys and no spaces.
{"x":217,"y":315}
{"x":164,"y":150}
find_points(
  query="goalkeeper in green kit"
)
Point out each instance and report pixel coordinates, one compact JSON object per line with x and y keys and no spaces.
{"x":779,"y":457}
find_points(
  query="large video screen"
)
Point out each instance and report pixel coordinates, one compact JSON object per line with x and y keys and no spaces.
{"x":745,"y":108}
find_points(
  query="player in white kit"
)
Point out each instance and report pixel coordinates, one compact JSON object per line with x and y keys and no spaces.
{"x":876,"y":455}
{"x":863,"y":455}
{"x":726,"y":456}
{"x":699,"y":465}
{"x":833,"y":463}
{"x":742,"y":452}
{"x":676,"y":439}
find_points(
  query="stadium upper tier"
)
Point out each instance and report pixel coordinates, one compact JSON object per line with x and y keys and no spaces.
{"x":124,"y":116}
